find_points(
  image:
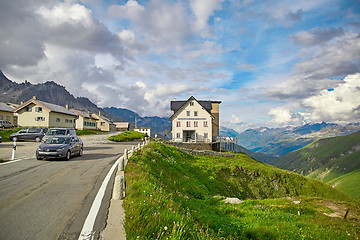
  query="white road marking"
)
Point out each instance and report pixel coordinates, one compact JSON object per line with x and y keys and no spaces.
{"x":11,"y":161}
{"x":87,"y":230}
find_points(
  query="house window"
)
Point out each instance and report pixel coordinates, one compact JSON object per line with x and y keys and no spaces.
{"x":195,"y":124}
{"x":38,"y":109}
{"x":195,"y":113}
{"x":191,"y":103}
{"x":206,"y":135}
{"x":70,"y":120}
{"x":57,"y":119}
{"x":66,"y":120}
{"x":40,"y":119}
{"x":188,"y":124}
{"x":8,"y":118}
{"x":28,"y":109}
{"x":178,"y":124}
{"x":205,"y":123}
{"x":1,"y":117}
{"x":177,"y":135}
{"x":187,"y":113}
{"x":102,"y":123}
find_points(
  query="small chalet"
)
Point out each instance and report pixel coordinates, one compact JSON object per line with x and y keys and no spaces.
{"x":122,"y":126}
{"x":143,"y":130}
{"x":194,"y":121}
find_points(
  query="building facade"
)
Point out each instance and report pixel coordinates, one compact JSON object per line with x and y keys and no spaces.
{"x":143,"y":130}
{"x":194,"y":121}
{"x":85,"y":120}
{"x":7,"y":113}
{"x":35,"y":113}
{"x":103,"y":123}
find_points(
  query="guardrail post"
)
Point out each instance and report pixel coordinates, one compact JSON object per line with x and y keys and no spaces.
{"x":13,"y":151}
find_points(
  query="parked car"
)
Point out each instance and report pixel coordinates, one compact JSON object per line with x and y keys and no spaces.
{"x":28,"y":134}
{"x":59,"y":131}
{"x":6,"y":124}
{"x":61,"y":146}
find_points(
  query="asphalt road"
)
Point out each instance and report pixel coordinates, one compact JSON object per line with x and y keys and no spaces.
{"x":51,"y":199}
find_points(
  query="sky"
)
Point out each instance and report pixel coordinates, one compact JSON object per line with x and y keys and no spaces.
{"x":270,"y":63}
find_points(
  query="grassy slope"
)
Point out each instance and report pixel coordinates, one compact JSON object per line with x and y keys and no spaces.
{"x":318,"y":153}
{"x":171,"y":194}
{"x":348,"y":183}
{"x":127,"y":136}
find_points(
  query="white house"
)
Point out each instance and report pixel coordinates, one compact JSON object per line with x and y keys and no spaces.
{"x":143,"y":130}
{"x":194,"y":121}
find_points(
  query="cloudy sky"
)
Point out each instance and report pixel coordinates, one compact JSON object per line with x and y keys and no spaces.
{"x":271,"y":63}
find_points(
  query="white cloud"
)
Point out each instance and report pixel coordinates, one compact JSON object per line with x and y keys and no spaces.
{"x":203,"y":9}
{"x":340,"y":104}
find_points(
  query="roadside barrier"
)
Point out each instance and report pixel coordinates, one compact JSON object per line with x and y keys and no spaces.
{"x":119,"y":183}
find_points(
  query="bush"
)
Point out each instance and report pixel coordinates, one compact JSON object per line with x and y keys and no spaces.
{"x":127,"y":136}
{"x":5,"y":133}
{"x":87,"y":132}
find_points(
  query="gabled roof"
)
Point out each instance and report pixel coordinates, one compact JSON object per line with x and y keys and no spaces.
{"x":97,"y":117}
{"x":122,"y":124}
{"x":178,"y":105}
{"x":49,"y":106}
{"x":5,"y":108}
{"x":83,"y":114}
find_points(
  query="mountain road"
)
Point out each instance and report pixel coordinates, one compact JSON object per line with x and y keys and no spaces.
{"x":51,"y":199}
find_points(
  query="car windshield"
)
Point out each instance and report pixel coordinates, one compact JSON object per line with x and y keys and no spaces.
{"x":57,"y":140}
{"x":56,"y":132}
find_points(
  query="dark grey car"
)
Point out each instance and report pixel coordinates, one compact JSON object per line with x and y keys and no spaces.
{"x":28,"y":134}
{"x":6,"y":124}
{"x":59,"y":131}
{"x":63,"y":147}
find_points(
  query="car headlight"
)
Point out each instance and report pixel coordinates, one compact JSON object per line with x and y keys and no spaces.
{"x":38,"y":148}
{"x":60,"y":150}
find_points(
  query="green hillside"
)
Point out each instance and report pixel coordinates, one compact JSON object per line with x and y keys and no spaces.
{"x":320,"y":153}
{"x":174,"y":195}
{"x":348,"y":183}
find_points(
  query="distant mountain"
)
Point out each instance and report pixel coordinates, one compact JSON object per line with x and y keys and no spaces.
{"x":280,"y":141}
{"x":49,"y":92}
{"x":334,"y":160}
{"x":227,"y":132}
{"x":158,"y":125}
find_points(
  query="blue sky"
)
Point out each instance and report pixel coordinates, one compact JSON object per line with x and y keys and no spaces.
{"x":271,"y":63}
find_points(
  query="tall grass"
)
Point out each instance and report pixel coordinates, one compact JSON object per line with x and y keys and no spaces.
{"x":174,"y":195}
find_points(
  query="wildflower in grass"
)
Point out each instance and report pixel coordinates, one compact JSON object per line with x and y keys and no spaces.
{"x":165,"y":228}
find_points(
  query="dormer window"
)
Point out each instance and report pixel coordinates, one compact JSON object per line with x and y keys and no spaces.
{"x":191,"y":103}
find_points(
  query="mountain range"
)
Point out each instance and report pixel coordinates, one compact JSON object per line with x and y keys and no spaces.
{"x":333,"y":160}
{"x":280,"y":141}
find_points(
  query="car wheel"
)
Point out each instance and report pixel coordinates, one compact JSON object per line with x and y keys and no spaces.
{"x":37,"y":139}
{"x":81,"y":152}
{"x":38,"y":158}
{"x":68,"y":155}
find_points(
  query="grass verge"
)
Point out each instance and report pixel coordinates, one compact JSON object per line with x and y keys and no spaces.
{"x":174,"y":195}
{"x":127,"y":136}
{"x":5,"y":133}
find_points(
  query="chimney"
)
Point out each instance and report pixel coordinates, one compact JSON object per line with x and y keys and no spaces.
{"x":22,"y":102}
{"x":34,"y":97}
{"x":174,"y":99}
{"x":99,"y":113}
{"x":67,"y":106}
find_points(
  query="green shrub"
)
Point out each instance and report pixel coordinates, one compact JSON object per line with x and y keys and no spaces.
{"x":127,"y":136}
{"x":5,"y":133}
